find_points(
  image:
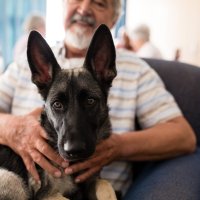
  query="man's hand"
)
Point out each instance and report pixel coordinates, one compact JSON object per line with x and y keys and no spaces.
{"x":28,"y":139}
{"x":106,"y":151}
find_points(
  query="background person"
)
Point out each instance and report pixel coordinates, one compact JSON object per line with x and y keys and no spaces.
{"x":123,"y":40}
{"x":32,"y":22}
{"x":141,"y":43}
{"x":136,"y":91}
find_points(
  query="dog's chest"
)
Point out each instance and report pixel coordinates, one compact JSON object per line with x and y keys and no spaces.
{"x":63,"y":185}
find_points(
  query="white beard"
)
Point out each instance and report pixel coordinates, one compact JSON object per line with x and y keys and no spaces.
{"x":79,"y":38}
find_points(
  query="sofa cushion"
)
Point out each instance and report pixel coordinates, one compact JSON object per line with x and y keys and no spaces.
{"x":183,"y":81}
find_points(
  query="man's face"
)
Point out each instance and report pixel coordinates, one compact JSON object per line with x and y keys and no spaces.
{"x":82,"y":17}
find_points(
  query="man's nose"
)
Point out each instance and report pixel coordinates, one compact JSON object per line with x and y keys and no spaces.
{"x":84,"y":7}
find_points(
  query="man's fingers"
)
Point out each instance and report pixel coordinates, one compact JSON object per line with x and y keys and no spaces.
{"x":44,"y":148}
{"x":84,"y":176}
{"x":44,"y":163}
{"x":100,"y":146}
{"x":88,"y":164}
{"x":30,"y":166}
{"x":43,"y":133}
{"x":36,"y":112}
{"x":77,"y":167}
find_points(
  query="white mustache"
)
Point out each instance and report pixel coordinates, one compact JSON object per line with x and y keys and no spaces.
{"x":86,"y":19}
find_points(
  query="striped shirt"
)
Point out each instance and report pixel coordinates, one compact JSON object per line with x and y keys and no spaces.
{"x":136,"y":91}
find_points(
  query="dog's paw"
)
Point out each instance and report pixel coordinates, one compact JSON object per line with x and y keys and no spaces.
{"x":104,"y":190}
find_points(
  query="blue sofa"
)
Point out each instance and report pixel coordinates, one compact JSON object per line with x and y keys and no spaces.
{"x":183,"y":81}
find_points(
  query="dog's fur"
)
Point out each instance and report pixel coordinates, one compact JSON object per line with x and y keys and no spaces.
{"x":75,"y":116}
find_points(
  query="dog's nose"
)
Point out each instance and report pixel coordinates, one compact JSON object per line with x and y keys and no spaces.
{"x":74,"y":151}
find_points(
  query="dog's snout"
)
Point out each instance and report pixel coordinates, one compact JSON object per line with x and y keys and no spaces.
{"x":74,"y":151}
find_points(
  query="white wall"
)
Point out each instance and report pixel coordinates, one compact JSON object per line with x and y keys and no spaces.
{"x":174,"y":24}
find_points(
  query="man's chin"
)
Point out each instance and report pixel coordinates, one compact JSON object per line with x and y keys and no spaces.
{"x":79,"y":36}
{"x":82,"y":29}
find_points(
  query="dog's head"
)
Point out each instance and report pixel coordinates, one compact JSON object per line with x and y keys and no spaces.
{"x":75,"y":99}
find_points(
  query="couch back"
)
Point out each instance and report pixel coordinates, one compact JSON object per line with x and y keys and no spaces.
{"x":183,"y":81}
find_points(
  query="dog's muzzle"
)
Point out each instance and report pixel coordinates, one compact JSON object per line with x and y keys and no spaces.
{"x":76,"y":151}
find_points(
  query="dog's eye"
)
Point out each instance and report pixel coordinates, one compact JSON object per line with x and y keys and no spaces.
{"x":90,"y":101}
{"x":57,"y":105}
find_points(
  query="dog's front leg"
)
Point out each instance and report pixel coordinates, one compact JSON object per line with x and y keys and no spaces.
{"x":99,"y":189}
{"x":104,"y":190}
{"x":56,"y":196}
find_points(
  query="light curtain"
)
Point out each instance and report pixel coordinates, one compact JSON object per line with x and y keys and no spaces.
{"x":12,"y":15}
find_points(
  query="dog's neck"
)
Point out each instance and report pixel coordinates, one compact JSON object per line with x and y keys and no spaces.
{"x":52,"y":139}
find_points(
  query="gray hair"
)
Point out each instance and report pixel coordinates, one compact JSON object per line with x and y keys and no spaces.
{"x":33,"y":22}
{"x":141,"y":32}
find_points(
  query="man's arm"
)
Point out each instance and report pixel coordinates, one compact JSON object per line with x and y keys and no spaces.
{"x":25,"y":136}
{"x":162,"y":141}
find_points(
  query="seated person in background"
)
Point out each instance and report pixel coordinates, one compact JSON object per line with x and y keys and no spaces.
{"x":136,"y":91}
{"x":141,"y":44}
{"x":32,"y":22}
{"x":123,"y":40}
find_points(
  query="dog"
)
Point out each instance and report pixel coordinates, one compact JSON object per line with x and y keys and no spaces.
{"x":75,"y":117}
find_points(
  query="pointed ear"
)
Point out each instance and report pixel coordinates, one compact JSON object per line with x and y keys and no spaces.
{"x":100,"y":58}
{"x":42,"y":62}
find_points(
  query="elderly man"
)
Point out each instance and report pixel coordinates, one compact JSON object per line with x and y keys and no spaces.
{"x":136,"y":91}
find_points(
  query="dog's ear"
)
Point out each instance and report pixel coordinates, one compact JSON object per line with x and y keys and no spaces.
{"x":42,"y":62}
{"x":100,"y":58}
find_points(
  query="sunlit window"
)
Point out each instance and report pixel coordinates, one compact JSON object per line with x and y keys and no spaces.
{"x":54,"y":21}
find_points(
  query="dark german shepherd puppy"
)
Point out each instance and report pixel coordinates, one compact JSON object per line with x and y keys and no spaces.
{"x":75,"y":116}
